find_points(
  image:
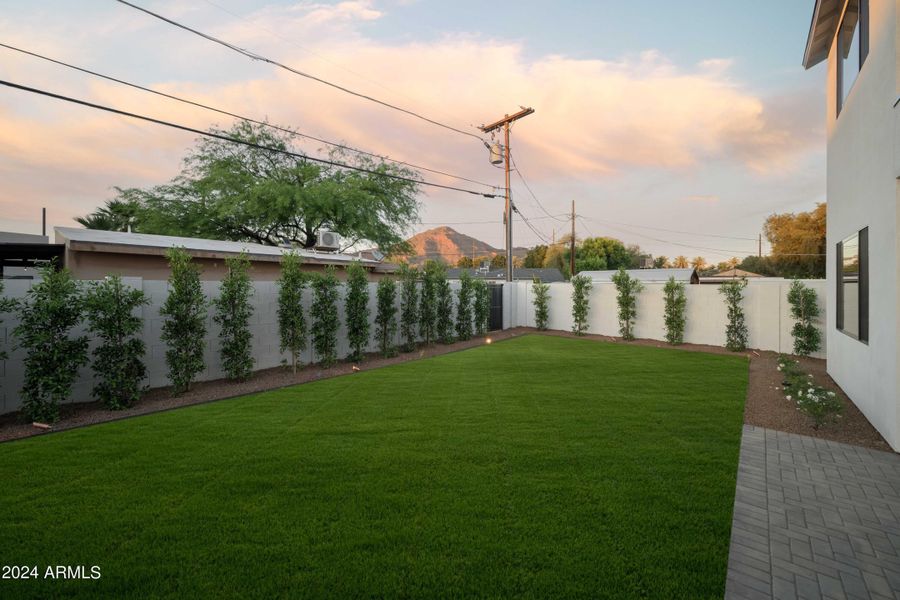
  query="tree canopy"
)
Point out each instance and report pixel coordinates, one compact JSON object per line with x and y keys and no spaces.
{"x":235,"y":192}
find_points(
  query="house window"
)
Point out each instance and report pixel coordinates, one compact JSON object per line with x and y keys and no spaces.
{"x":852,"y":47}
{"x":853,"y":285}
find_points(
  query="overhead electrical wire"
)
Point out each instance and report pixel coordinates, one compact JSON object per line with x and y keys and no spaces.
{"x":528,"y":187}
{"x":254,"y":56}
{"x":726,"y":237}
{"x":318,"y":55}
{"x":238,"y":141}
{"x":237,"y":116}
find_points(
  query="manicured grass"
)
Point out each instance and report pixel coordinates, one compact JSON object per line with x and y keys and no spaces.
{"x":539,"y":466}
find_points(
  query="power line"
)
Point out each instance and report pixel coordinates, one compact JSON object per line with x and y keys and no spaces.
{"x":727,"y":237}
{"x":318,"y":55}
{"x":238,"y":141}
{"x":237,"y":116}
{"x":528,"y":187}
{"x":254,"y":56}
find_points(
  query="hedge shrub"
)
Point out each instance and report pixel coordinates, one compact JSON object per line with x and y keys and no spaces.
{"x":541,"y":304}
{"x":386,"y":316}
{"x":184,"y":327}
{"x":581,"y":288}
{"x":118,"y":364}
{"x":324,"y":313}
{"x":736,"y":330}
{"x":356,"y":310}
{"x":805,"y":310}
{"x":52,"y":308}
{"x":676,"y":302}
{"x":627,"y":288}
{"x":233,"y":312}
{"x":291,"y":321}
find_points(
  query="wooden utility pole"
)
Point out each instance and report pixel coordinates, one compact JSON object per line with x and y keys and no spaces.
{"x":507,"y":213}
{"x":760,"y":245}
{"x":572,"y":244}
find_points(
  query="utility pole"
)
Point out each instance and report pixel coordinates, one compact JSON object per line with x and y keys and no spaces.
{"x":760,"y":245}
{"x":507,"y":213}
{"x":572,"y":244}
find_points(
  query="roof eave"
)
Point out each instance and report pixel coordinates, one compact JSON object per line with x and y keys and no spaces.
{"x":822,"y":28}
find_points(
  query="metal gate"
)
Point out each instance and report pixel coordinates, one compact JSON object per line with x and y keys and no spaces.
{"x":496,"y":321}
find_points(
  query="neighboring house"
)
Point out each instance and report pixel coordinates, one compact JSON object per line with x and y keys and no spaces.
{"x":647,"y":275}
{"x":20,"y":252}
{"x":734,"y":274}
{"x":93,"y":254}
{"x":519,"y":274}
{"x":859,"y":41}
{"x":729,"y":274}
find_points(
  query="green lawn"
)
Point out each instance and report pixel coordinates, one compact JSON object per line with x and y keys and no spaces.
{"x":539,"y":466}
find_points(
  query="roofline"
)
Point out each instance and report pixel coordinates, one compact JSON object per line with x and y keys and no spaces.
{"x":142,"y":249}
{"x":809,"y":38}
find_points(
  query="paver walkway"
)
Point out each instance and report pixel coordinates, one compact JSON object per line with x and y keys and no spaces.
{"x":814,"y":519}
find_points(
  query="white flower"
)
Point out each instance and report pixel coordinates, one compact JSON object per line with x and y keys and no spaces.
{"x":799,"y":393}
{"x":831,"y":394}
{"x":810,"y":375}
{"x":788,"y":397}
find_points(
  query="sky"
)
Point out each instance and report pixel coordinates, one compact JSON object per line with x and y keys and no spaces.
{"x":679,"y":129}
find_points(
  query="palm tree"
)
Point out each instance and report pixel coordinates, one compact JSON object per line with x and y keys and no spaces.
{"x":699,"y":263}
{"x":117,"y":215}
{"x":680,"y":262}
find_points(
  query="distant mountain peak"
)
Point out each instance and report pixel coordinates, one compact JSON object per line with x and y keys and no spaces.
{"x":446,"y":244}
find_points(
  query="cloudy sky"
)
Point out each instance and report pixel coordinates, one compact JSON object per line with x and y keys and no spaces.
{"x":676,"y":128}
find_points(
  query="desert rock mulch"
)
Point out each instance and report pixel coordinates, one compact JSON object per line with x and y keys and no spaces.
{"x":766,"y":404}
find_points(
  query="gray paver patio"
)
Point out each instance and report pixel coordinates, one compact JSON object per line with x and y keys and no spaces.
{"x":814,"y":519}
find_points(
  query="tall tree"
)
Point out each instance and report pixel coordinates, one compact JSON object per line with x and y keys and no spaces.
{"x":662,"y":262}
{"x":356,"y":310}
{"x":119,"y":214}
{"x":185,"y":321}
{"x":798,"y":242}
{"x":681,"y":262}
{"x":535,"y":257}
{"x":234,"y":192}
{"x":699,"y":263}
{"x":499,"y":261}
{"x":465,"y":262}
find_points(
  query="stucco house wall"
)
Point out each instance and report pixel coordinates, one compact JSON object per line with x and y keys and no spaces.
{"x":862,"y":191}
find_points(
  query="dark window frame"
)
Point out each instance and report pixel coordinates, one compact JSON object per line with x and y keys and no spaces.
{"x":863,"y":52}
{"x":862,"y":287}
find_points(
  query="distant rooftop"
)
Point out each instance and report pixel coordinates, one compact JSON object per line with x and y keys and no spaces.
{"x":97,"y":240}
{"x":647,"y":275}
{"x":733,"y":273}
{"x":521,"y":274}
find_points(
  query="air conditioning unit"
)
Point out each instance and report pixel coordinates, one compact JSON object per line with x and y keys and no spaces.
{"x":328,"y":240}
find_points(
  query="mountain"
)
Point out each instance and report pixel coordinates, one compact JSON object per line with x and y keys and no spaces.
{"x":449,"y":245}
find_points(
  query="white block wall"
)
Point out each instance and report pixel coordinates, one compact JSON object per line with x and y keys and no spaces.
{"x":263,"y":325}
{"x":766,"y":309}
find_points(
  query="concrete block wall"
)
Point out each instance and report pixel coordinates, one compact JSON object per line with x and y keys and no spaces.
{"x":767,"y":312}
{"x":263,"y":325}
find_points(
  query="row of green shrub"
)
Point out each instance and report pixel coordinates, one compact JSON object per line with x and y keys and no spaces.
{"x":803,"y":301}
{"x":57,"y":304}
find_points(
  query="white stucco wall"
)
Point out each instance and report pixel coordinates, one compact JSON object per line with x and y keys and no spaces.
{"x":863,"y":164}
{"x":766,"y":310}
